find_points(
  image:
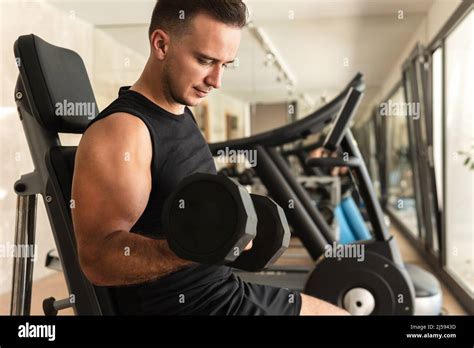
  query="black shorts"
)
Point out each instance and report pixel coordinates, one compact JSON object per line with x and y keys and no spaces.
{"x":225,"y":294}
{"x":244,"y":298}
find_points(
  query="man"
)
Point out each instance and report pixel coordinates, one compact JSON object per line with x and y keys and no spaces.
{"x":138,"y":149}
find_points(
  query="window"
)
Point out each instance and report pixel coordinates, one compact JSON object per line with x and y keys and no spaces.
{"x":459,"y":133}
{"x":401,"y":193}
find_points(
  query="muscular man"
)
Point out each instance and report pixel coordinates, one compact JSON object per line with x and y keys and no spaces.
{"x":138,"y":149}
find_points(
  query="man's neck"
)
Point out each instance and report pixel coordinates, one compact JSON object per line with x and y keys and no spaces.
{"x":155,"y":92}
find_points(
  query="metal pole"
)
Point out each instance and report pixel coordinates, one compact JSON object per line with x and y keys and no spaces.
{"x":23,"y":264}
{"x":282,"y":193}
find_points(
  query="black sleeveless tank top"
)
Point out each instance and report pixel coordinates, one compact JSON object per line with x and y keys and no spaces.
{"x":179,"y":150}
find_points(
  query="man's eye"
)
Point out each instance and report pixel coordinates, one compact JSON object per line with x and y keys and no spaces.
{"x":224,"y":65}
{"x":204,"y":61}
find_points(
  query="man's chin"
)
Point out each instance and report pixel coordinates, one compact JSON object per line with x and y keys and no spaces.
{"x":194,"y":101}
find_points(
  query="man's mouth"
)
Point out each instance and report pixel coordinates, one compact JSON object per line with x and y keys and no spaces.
{"x":201,"y":93}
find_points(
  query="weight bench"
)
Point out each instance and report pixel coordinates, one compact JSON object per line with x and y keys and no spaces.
{"x":50,"y":75}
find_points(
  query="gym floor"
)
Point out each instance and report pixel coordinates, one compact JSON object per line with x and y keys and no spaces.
{"x":55,"y":284}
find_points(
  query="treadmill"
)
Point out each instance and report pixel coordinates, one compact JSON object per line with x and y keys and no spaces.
{"x":275,"y":175}
{"x":315,"y":234}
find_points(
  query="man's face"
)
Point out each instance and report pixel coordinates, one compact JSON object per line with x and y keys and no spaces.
{"x":196,"y":61}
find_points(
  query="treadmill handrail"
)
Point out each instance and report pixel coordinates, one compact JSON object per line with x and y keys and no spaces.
{"x":297,"y":130}
{"x":343,"y":120}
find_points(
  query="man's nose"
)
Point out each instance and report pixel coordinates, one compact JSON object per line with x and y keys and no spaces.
{"x":214,"y":79}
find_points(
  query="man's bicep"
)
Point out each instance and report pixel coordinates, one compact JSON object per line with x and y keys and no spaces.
{"x":104,"y":198}
{"x":110,"y":189}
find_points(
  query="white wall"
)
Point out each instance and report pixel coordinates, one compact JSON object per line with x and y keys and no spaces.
{"x":437,"y":16}
{"x":58,"y":28}
{"x":114,"y":64}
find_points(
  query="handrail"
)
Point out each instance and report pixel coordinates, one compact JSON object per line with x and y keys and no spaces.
{"x":298,"y":130}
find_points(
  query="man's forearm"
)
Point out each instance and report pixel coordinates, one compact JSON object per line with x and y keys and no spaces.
{"x":128,"y":258}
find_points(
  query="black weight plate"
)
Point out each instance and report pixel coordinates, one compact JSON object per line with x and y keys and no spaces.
{"x":332,"y":278}
{"x":273,"y":236}
{"x":209,"y":219}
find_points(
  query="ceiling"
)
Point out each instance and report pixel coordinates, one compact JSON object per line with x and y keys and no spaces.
{"x":314,"y":38}
{"x":123,"y":12}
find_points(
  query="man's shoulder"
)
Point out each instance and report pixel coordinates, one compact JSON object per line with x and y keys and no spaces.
{"x":118,"y":127}
{"x":188,"y":111}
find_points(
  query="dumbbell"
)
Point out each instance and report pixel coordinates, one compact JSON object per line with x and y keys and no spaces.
{"x":229,"y":172}
{"x":246,"y":177}
{"x":272,"y":240}
{"x":210,"y":219}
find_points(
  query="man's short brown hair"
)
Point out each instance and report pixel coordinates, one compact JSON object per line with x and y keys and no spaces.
{"x":174,"y":16}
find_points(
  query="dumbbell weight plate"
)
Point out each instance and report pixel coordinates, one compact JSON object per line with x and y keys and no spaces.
{"x":209,"y":219}
{"x":246,"y":177}
{"x":272,"y":240}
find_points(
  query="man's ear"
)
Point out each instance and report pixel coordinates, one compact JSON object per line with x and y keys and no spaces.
{"x":160,"y":42}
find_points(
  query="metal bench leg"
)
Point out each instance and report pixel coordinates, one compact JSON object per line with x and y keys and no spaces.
{"x":23,"y":264}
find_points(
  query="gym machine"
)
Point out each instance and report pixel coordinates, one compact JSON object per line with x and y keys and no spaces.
{"x":380,"y":284}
